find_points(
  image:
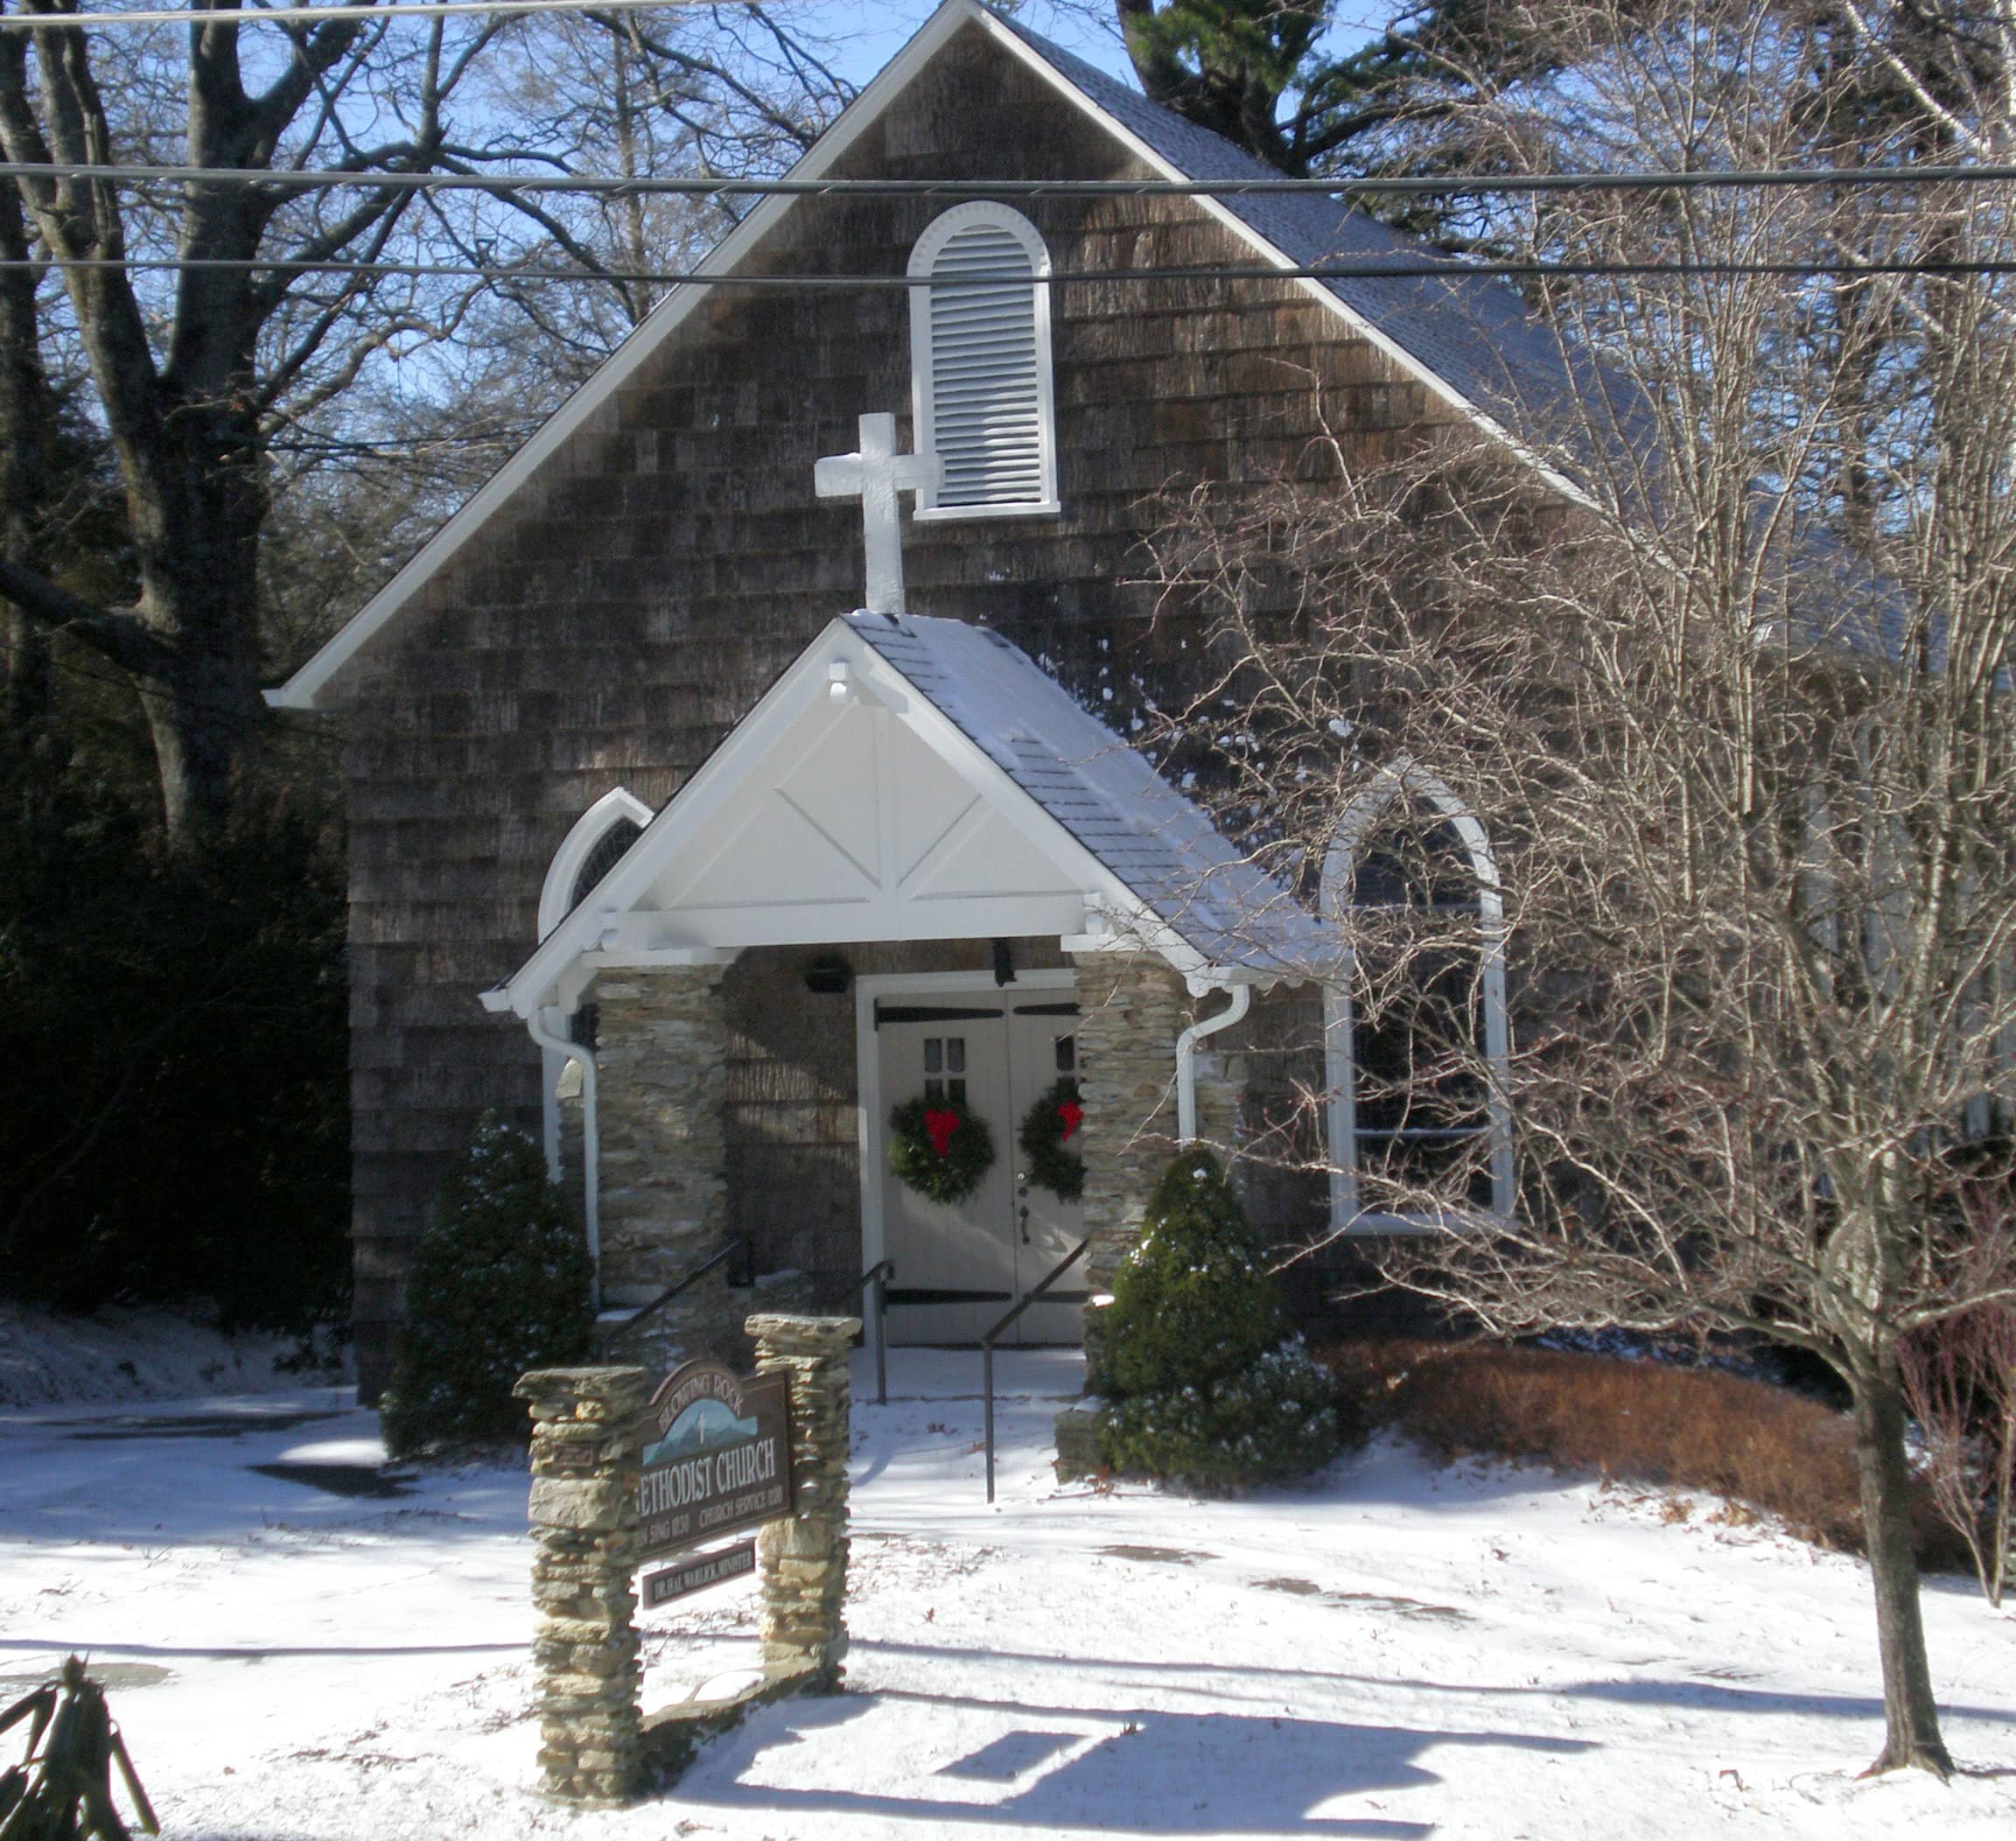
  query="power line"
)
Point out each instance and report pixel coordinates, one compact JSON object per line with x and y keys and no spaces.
{"x":1448,"y":269}
{"x":301,"y":15}
{"x":690,"y":185}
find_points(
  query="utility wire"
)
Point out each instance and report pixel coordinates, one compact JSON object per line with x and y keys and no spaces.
{"x":1449,"y":268}
{"x":308,"y":15}
{"x":689,"y":186}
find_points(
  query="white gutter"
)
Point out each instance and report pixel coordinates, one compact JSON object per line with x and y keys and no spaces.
{"x":590,"y":1140}
{"x":1241,"y":996}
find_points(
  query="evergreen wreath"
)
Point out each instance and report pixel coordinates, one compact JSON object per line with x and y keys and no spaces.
{"x":939,"y":1148}
{"x":1047,"y":1128}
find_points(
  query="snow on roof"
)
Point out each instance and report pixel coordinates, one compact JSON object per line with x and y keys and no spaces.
{"x":1471,"y":329}
{"x":1479,"y":336}
{"x":1104,"y":792}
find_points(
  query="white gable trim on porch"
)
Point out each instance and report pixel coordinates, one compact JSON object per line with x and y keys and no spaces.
{"x":305,"y":688}
{"x":844,"y":806}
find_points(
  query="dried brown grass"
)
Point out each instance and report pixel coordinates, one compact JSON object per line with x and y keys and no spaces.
{"x":1757,"y":1447}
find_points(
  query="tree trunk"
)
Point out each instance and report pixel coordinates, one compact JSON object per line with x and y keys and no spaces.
{"x":196,"y":512}
{"x":1910,"y":1715}
{"x":26,"y":411}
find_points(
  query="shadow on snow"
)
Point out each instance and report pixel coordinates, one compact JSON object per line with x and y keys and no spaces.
{"x":1144,"y":1772}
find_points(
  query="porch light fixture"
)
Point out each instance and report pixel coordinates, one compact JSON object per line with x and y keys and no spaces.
{"x":829,"y":976}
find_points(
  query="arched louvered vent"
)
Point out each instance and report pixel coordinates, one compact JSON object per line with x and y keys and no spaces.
{"x":600,"y":860}
{"x":981,"y":361}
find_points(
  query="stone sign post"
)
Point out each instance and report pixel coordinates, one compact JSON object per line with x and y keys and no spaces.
{"x":589,"y":1431}
{"x":804,"y":1560}
{"x":585,"y":1452}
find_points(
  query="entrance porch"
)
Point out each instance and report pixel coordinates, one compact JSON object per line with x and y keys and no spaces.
{"x":917,"y":870}
{"x":739,"y":1104}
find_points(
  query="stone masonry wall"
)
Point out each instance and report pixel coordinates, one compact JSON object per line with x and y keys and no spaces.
{"x":585,"y":1456}
{"x":661,"y":1063}
{"x":804,"y":1558}
{"x":1132,"y":1010}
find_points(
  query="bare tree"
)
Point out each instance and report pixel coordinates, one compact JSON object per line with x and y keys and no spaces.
{"x":1739,"y":739}
{"x":1960,"y":1384}
{"x":194,"y":373}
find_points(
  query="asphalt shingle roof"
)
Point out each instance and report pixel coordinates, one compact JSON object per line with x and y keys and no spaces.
{"x":1474,"y":333}
{"x":1479,"y":336}
{"x":1104,"y":792}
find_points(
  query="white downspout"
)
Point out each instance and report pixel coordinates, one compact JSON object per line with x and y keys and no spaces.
{"x":590,"y":1139}
{"x":1241,"y":996}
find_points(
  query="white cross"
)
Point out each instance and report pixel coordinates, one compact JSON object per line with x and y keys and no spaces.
{"x":875,"y":475}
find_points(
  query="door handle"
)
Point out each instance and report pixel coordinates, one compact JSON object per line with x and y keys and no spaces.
{"x":1024,"y":1214}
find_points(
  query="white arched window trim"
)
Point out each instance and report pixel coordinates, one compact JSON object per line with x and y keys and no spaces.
{"x":617,"y":806}
{"x":923,"y":385}
{"x":1402,"y":779}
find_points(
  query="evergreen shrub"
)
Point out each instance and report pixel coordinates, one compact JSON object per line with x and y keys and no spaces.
{"x":1199,"y":1378}
{"x":500,"y":1283}
{"x":173,"y":1058}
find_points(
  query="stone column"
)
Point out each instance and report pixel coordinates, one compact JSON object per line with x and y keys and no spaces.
{"x":585,"y":1464}
{"x":803,"y":1559}
{"x":662,"y":1066}
{"x":1131,"y":1012}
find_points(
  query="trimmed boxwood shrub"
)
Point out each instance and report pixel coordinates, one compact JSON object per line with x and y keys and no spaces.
{"x":1199,"y":1378}
{"x":500,"y":1283}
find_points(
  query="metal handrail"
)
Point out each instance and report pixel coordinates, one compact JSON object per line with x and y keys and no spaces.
{"x":741,"y":1244}
{"x":878,"y":1275}
{"x":987,"y":1345}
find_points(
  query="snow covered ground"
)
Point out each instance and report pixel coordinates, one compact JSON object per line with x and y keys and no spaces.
{"x":122,"y":1353}
{"x":1395,"y":1651}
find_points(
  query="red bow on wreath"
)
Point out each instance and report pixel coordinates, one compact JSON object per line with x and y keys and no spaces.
{"x":939,"y":1128}
{"x":1073,"y":1115}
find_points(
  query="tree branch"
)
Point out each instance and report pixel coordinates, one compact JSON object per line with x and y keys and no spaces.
{"x":121,"y":636}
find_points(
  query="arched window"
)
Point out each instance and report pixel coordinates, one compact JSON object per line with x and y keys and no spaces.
{"x":980,"y":364}
{"x":588,"y":852}
{"x":1415,"y":1036}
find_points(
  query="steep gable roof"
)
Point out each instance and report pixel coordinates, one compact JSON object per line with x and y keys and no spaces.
{"x":1470,"y":340}
{"x":1083,"y":833}
{"x":1105,"y":793}
{"x":1471,"y":332}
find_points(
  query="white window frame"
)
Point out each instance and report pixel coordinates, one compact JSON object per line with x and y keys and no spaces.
{"x":556,"y":893}
{"x":1405,"y":778}
{"x":923,"y":391}
{"x":556,"y":903}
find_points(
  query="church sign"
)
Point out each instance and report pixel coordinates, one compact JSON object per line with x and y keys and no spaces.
{"x":717,"y":1456}
{"x":697,"y":1573}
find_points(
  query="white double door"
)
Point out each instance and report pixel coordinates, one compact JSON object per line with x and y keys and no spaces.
{"x":961,"y":1267}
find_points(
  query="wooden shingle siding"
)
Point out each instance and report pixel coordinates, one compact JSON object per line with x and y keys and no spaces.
{"x":639,"y":593}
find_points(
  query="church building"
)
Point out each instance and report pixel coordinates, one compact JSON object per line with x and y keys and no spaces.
{"x":749,"y":758}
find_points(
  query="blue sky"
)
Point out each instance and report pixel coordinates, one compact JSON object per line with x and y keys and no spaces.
{"x":870,"y":32}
